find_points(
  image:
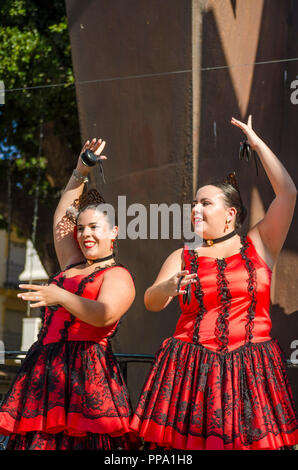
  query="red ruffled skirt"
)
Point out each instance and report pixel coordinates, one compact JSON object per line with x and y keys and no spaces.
{"x":68,"y":395}
{"x":198,"y":399}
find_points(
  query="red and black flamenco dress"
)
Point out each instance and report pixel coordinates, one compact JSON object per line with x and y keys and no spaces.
{"x":69,"y":392}
{"x":220,"y":382}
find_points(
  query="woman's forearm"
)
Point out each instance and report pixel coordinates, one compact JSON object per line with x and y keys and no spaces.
{"x":90,"y":311}
{"x":278,"y":176}
{"x":72,"y":191}
{"x":156,"y":297}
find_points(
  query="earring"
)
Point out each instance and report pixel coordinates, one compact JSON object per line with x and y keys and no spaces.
{"x":227,"y":224}
{"x":112,"y":244}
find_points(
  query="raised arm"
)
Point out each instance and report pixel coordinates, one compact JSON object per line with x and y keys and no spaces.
{"x":67,"y":250}
{"x":164,"y":289}
{"x":273,"y":228}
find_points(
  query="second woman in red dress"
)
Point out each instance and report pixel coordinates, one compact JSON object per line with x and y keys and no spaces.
{"x":220,"y":381}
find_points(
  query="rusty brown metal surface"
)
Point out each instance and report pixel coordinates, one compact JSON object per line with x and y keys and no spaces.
{"x":147,"y":123}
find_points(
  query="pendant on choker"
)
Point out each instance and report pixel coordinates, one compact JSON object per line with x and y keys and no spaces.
{"x":211,"y":242}
{"x":97,"y":260}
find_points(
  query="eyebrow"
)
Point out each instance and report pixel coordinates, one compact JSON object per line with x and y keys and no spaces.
{"x":202,"y":200}
{"x":90,"y":223}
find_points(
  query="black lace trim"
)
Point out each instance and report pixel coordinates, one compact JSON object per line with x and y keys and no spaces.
{"x":84,"y":363}
{"x":46,"y":319}
{"x":224,"y":295}
{"x":222,"y":322}
{"x":80,"y":290}
{"x":199,"y":294}
{"x":241,"y":397}
{"x":252,"y":289}
{"x":47,"y":316}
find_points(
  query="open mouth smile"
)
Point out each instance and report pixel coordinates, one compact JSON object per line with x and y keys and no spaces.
{"x":89,"y":244}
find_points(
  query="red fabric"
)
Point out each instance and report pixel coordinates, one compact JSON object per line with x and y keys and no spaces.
{"x":69,"y":384}
{"x":78,"y":330}
{"x":198,"y":396}
{"x":197,"y":399}
{"x":75,"y":387}
{"x":236,"y":275}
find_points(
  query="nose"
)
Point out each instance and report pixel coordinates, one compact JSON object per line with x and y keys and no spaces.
{"x":198,"y":209}
{"x":86,"y":231}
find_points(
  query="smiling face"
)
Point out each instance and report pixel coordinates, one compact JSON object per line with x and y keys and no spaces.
{"x":94,"y":234}
{"x":209,"y":213}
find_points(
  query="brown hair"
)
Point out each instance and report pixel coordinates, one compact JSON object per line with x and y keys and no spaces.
{"x":232,"y":197}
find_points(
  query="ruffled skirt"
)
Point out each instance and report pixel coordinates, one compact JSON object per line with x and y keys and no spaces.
{"x":194,"y":398}
{"x":68,"y":395}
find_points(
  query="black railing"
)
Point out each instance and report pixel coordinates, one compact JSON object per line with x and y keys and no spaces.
{"x":123,"y":359}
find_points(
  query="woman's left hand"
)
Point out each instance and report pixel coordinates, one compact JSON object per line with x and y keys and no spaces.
{"x":43,"y":295}
{"x":252,"y":137}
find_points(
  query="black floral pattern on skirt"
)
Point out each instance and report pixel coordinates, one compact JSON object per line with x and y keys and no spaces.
{"x":239,"y":398}
{"x":71,"y":390}
{"x":61,"y":441}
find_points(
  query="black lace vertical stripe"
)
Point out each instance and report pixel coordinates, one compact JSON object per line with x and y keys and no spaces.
{"x":224,"y":296}
{"x":252,"y":289}
{"x":47,"y":318}
{"x":222,"y":323}
{"x":199,"y":294}
{"x":80,"y":290}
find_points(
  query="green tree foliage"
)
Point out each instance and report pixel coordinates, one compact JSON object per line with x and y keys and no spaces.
{"x":35,"y":52}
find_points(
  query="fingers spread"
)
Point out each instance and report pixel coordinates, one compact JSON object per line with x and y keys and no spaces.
{"x":29,"y":286}
{"x":100,"y":148}
{"x":183,"y":273}
{"x":185,"y":282}
{"x":37,"y":305}
{"x":29,"y":296}
{"x":92,"y":146}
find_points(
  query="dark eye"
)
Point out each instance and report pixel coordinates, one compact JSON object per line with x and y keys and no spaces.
{"x":206,"y":203}
{"x":193,"y":204}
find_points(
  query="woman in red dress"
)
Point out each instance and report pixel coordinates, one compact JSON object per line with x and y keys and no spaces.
{"x":220,"y":382}
{"x":69,"y":392}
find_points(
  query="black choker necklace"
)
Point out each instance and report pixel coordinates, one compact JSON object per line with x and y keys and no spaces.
{"x":221,"y":239}
{"x":97,"y":260}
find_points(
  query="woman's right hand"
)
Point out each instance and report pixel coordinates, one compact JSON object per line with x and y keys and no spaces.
{"x":173,"y":286}
{"x":96,"y":146}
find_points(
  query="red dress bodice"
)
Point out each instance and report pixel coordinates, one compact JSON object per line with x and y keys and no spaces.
{"x":61,"y":324}
{"x":226,"y":299}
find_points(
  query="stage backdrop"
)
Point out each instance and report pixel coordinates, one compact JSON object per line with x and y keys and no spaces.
{"x":159,"y":81}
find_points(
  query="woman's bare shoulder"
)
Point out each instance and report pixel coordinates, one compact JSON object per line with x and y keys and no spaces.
{"x":117,"y":272}
{"x":176,"y":255}
{"x":173,"y":263}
